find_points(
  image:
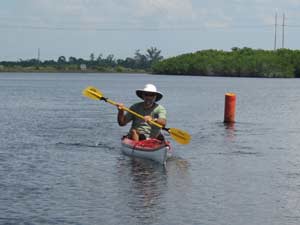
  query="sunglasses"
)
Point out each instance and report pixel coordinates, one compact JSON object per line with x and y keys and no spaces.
{"x":149,"y":94}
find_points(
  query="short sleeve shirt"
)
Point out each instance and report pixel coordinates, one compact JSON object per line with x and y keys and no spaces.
{"x":156,"y":112}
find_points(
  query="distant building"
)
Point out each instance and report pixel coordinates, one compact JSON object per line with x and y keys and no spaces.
{"x":83,"y":67}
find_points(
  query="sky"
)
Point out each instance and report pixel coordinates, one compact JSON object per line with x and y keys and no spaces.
{"x":53,"y":28}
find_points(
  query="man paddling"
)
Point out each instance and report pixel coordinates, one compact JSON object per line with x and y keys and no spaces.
{"x":141,"y":128}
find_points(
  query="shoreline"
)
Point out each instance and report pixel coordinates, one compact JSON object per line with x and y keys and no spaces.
{"x":137,"y":73}
{"x":70,"y":71}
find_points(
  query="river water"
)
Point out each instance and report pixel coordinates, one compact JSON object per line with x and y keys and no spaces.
{"x":60,"y":159}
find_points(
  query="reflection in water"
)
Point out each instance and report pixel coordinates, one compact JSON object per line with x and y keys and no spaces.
{"x":149,"y":180}
{"x":229,"y":131}
{"x":146,"y":186}
{"x":177,"y":163}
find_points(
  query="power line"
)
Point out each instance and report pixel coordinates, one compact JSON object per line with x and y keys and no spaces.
{"x":170,"y":28}
{"x":296,"y":26}
{"x":111,"y":28}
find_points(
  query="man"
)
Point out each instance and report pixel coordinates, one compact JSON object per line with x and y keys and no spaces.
{"x":141,"y":128}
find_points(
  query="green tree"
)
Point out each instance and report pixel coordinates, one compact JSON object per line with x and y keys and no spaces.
{"x":140,"y":60}
{"x":153,"y":55}
{"x":72,"y":60}
{"x":61,"y":60}
{"x":92,"y":57}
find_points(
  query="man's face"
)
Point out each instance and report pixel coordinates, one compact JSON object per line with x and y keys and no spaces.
{"x":149,"y":98}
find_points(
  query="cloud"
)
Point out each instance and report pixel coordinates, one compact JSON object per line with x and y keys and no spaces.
{"x":171,"y":9}
{"x":126,"y":14}
{"x":111,"y":13}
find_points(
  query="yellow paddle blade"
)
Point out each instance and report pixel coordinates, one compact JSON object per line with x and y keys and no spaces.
{"x":182,"y":137}
{"x":92,"y":93}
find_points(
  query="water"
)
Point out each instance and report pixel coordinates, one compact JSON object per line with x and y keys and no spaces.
{"x":60,"y":159}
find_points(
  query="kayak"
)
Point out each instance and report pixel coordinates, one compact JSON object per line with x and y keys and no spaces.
{"x":152,"y":149}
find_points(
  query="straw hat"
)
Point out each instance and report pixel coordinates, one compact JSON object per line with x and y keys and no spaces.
{"x":149,"y":88}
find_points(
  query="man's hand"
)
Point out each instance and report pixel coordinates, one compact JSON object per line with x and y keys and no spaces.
{"x":120,"y":106}
{"x":147,"y":118}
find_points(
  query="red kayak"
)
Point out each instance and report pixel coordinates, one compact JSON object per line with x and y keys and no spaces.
{"x":152,"y":149}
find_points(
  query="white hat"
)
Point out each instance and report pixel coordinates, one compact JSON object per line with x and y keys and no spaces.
{"x":149,"y":88}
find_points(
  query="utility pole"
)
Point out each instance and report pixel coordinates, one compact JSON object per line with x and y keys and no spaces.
{"x":38,"y":56}
{"x":275,"y":37}
{"x":283,"y":24}
{"x":38,"y":59}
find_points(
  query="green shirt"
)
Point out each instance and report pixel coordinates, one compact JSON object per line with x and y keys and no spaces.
{"x":156,"y":112}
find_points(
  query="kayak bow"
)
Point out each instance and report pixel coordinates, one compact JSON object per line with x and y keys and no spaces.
{"x":152,"y":149}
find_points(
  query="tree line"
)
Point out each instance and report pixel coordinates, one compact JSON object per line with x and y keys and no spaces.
{"x":139,"y":62}
{"x":240,"y":62}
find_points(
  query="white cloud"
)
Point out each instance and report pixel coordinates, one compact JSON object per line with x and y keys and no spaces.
{"x":151,"y":13}
{"x":170,"y":8}
{"x":113,"y":12}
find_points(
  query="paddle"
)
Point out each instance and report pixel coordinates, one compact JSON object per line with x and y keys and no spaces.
{"x":182,"y":137}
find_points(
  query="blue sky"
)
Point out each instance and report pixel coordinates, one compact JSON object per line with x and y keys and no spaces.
{"x":120,"y":27}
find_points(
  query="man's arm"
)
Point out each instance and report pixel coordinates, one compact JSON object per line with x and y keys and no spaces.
{"x":121,"y":115}
{"x":161,"y":121}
